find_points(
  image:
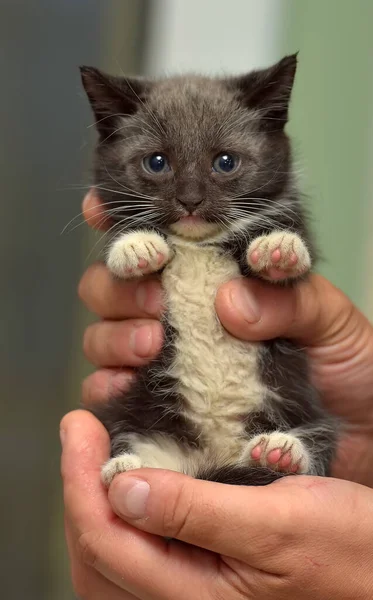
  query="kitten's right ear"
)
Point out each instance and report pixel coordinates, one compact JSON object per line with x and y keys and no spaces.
{"x":111,"y":97}
{"x":269,"y":91}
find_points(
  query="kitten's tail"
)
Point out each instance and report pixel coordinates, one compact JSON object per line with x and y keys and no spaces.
{"x":240,"y":475}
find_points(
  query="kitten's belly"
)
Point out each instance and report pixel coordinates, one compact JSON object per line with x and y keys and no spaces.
{"x":218,"y":375}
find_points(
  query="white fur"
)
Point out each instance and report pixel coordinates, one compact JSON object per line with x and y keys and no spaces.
{"x":130,"y":248}
{"x":217,"y":373}
{"x":195,"y":230}
{"x":287,"y":442}
{"x":158,"y":451}
{"x":119,"y":464}
{"x":288,"y":243}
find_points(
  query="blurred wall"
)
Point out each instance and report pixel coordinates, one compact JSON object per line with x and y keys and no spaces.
{"x":45,"y":148}
{"x":212,"y":37}
{"x":332,"y":123}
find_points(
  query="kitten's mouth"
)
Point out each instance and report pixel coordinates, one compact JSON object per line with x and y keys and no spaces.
{"x":195,"y":227}
{"x":190,"y":220}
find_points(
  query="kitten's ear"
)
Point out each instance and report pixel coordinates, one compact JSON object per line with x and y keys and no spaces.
{"x":111,"y":97}
{"x":269,"y":91}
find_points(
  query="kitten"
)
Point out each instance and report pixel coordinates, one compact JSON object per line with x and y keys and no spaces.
{"x":196,"y":174}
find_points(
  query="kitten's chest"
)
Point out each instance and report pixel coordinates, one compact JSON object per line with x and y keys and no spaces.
{"x":217,"y":374}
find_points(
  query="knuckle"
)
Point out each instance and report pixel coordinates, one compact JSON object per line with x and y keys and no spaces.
{"x":288,"y":527}
{"x":88,"y":547}
{"x":178,"y":514}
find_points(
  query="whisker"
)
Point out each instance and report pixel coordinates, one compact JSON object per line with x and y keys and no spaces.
{"x":111,"y":212}
{"x":278,"y":207}
{"x":109,"y":117}
{"x":106,"y":233}
{"x":125,"y":187}
{"x":151,"y":133}
{"x":138,"y":195}
{"x":106,"y":215}
{"x":100,"y":239}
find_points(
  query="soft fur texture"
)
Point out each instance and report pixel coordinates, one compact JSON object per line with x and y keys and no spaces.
{"x":210,"y":405}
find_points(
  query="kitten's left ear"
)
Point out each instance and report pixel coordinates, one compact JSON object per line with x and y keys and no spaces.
{"x":112,"y":97}
{"x":269,"y":91}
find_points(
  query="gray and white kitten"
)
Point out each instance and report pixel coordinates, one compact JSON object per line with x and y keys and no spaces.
{"x":196,"y":174}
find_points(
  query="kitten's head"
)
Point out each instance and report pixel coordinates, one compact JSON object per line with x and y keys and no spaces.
{"x":190,"y":154}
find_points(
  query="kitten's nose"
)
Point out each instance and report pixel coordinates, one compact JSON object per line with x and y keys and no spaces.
{"x":190,"y":203}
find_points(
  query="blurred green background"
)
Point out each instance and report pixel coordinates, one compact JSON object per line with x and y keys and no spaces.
{"x":45,"y":156}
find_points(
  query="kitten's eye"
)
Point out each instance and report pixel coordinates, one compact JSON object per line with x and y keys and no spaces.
{"x":156,"y":163}
{"x":225,"y":163}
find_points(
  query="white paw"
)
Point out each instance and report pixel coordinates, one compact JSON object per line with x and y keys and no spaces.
{"x":279,"y":255}
{"x":119,"y":464}
{"x":137,"y":253}
{"x":279,"y":451}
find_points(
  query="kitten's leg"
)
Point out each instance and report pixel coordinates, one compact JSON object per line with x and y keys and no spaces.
{"x":137,"y":253}
{"x":278,"y":256}
{"x":120,"y":464}
{"x":158,"y":452}
{"x":278,"y":450}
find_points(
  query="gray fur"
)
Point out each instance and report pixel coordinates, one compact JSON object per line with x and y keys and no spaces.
{"x":192,"y":119}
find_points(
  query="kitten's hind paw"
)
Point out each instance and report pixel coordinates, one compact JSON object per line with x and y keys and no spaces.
{"x":119,"y":464}
{"x":278,"y":256}
{"x":137,"y":253}
{"x":279,"y":451}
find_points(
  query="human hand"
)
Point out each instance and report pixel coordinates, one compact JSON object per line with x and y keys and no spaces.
{"x":338,"y":339}
{"x":302,"y":537}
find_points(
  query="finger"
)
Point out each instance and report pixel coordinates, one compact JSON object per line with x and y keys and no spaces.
{"x":87,"y":582}
{"x":94,"y":212}
{"x":86,"y":447}
{"x":132,"y":559}
{"x":105,"y":384}
{"x":249,"y":524}
{"x":312,"y":312}
{"x":130,"y":343}
{"x":114,"y":299}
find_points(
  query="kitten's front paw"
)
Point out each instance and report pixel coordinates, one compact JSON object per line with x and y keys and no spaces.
{"x":279,"y":451}
{"x":138,"y":253}
{"x":119,"y":464}
{"x":278,"y":256}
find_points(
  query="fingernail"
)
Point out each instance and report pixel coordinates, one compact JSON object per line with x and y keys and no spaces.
{"x":141,"y":341}
{"x":129,"y":497}
{"x":244,"y":302}
{"x":149,"y":297}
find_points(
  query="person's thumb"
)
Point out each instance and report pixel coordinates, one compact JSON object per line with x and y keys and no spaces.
{"x":312,"y":312}
{"x":249,"y":524}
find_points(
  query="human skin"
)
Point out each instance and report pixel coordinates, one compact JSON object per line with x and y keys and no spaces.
{"x":300,"y":538}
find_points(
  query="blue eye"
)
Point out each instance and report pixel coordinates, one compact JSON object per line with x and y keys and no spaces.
{"x":225,"y":163}
{"x":156,"y":163}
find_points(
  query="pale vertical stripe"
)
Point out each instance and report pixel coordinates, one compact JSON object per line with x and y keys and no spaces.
{"x":212,"y":36}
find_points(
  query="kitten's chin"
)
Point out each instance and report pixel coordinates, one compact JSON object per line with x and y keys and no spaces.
{"x":194,"y":228}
